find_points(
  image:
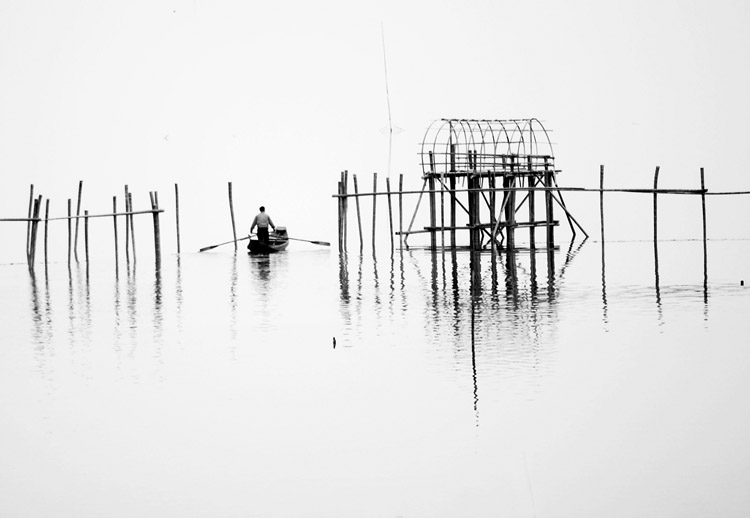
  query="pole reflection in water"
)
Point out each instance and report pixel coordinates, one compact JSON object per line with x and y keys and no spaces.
{"x":344,"y":278}
{"x":461,"y":314}
{"x":376,"y":281}
{"x":178,"y":297}
{"x":550,"y":274}
{"x":42,"y":325}
{"x":604,"y":283}
{"x":476,"y":290}
{"x":511,"y":278}
{"x":132,"y":292}
{"x":158,"y":316}
{"x":233,"y":302}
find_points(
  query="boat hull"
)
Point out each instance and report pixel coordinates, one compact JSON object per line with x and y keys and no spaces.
{"x":277,"y":242}
{"x":257,"y":247}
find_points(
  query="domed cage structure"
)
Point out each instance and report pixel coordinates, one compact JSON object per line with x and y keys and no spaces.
{"x":499,"y":162}
{"x":455,"y":145}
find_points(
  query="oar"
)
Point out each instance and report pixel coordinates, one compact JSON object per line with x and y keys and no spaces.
{"x":323,"y":243}
{"x":220,"y":244}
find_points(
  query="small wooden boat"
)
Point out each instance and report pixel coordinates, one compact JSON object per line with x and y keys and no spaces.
{"x":278,"y":240}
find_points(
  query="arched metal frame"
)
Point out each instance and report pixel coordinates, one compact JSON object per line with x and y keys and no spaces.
{"x":485,"y":145}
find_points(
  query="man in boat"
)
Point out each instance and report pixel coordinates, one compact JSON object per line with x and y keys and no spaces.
{"x":262,"y":221}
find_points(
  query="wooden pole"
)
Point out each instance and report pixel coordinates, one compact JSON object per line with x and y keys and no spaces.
{"x":345,"y":182}
{"x":86,"y":235}
{"x":127,"y":227}
{"x":46,"y":229}
{"x":532,"y":211}
{"x":70,"y":232}
{"x":705,"y":248}
{"x":359,"y":218}
{"x":442,"y":212}
{"x":390,"y":210}
{"x":34,"y":228}
{"x":114,"y":222}
{"x":400,"y":209}
{"x":473,"y":233}
{"x":656,"y":182}
{"x":493,"y":244}
{"x":433,"y":215}
{"x":132,"y":223}
{"x":656,"y":245}
{"x":601,"y":200}
{"x":374,"y":206}
{"x":78,"y":213}
{"x":157,"y":234}
{"x":548,"y":183}
{"x":452,"y":188}
{"x":30,"y":212}
{"x":37,"y":220}
{"x":341,"y":214}
{"x":510,"y":208}
{"x":231,"y":212}
{"x":177,"y":214}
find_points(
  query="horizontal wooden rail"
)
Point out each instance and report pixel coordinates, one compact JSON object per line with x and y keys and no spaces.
{"x":84,"y":216}
{"x":543,"y":189}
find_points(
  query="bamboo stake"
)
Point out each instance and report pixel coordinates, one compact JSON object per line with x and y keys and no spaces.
{"x":345,"y":187}
{"x":705,"y":248}
{"x":374,"y":201}
{"x":114,"y":223}
{"x":532,"y":210}
{"x":46,"y":230}
{"x":656,"y":181}
{"x":70,"y":232}
{"x":390,"y":210}
{"x":493,"y":241}
{"x":132,"y":223}
{"x":452,"y":189}
{"x":177,"y":214}
{"x":28,"y":225}
{"x":231,"y":212}
{"x":442,"y":212}
{"x":359,"y":218}
{"x":86,"y":235}
{"x":127,"y":227}
{"x":601,"y":200}
{"x":78,"y":213}
{"x":34,"y":228}
{"x":656,"y":244}
{"x":157,"y":234}
{"x":341,"y":213}
{"x":400,"y":210}
{"x":433,"y":216}
{"x":549,"y":207}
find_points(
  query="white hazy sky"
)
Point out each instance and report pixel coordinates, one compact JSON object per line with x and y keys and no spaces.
{"x":278,"y":97}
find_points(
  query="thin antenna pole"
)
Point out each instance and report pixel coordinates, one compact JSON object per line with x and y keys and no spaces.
{"x":388,"y":99}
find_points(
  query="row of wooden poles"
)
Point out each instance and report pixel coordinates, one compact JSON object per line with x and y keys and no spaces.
{"x":343,"y":205}
{"x":344,"y":195}
{"x":34,"y":219}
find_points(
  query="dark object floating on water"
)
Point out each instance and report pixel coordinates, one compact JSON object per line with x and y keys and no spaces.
{"x":278,"y":240}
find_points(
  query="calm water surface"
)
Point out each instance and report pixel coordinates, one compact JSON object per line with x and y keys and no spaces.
{"x":592,"y":382}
